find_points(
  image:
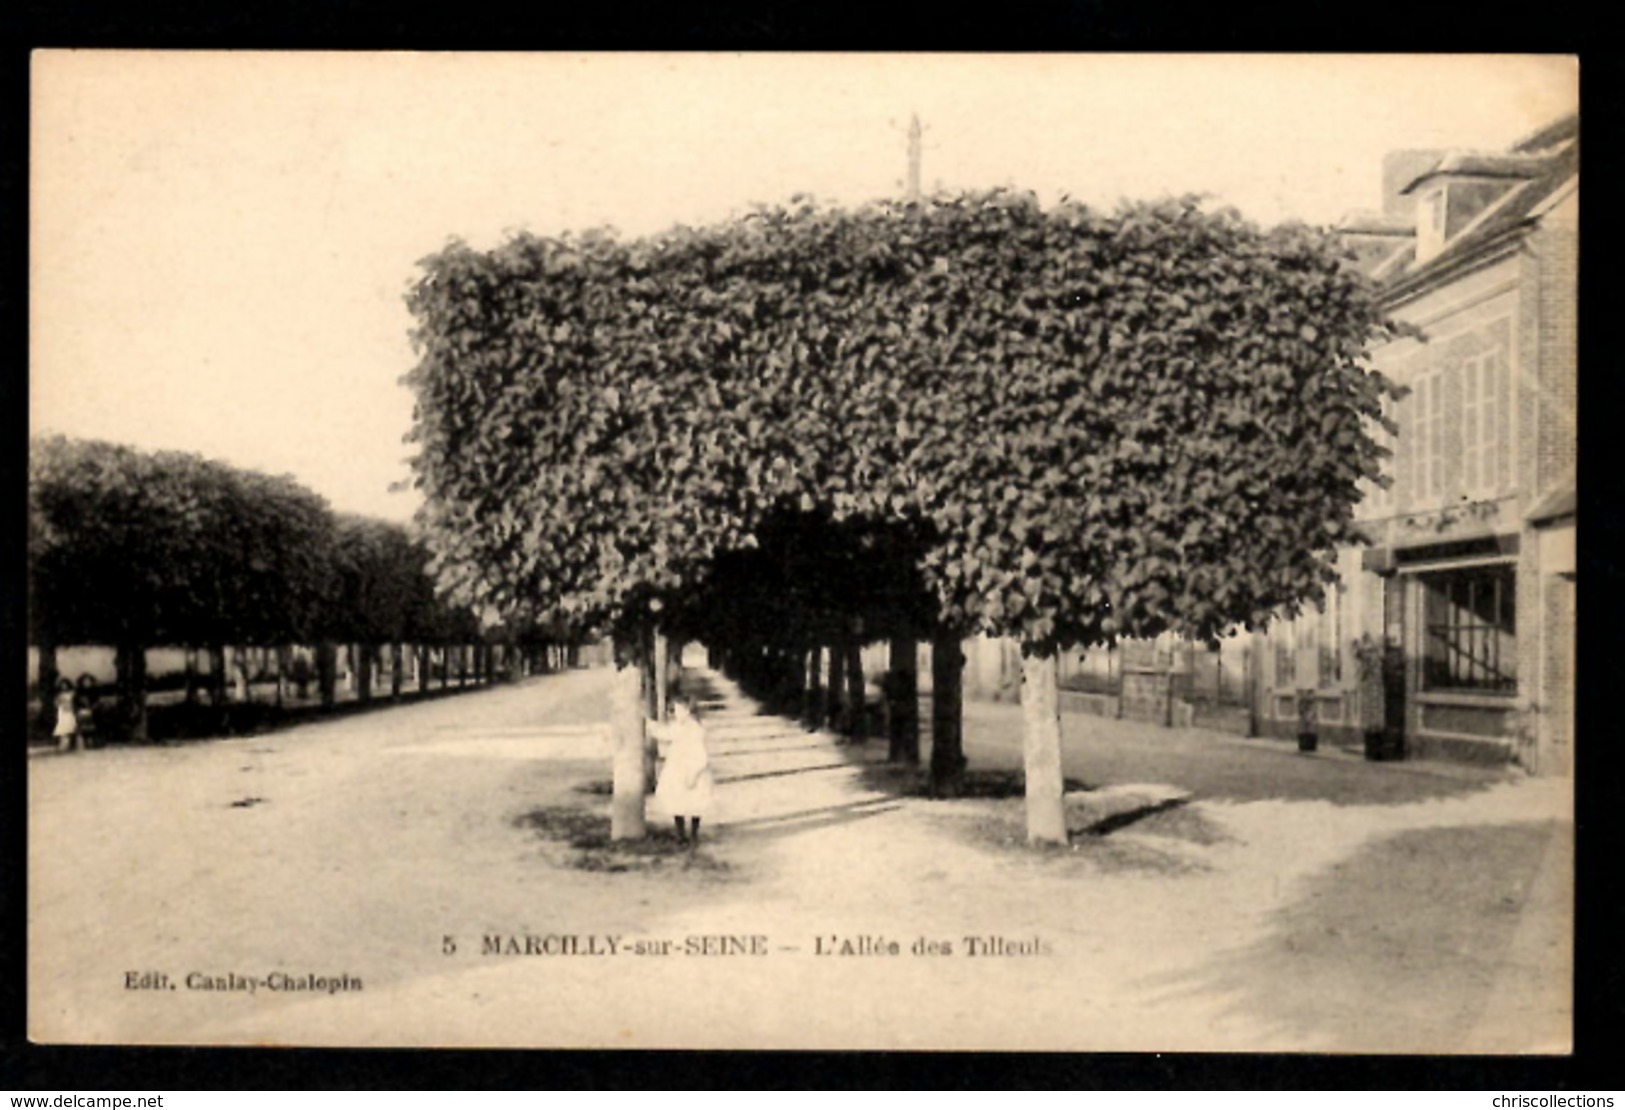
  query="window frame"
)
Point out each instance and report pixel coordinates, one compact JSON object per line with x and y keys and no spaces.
{"x":1465,"y":636}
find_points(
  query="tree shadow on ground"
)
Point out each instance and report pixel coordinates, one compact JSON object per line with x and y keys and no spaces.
{"x":580,"y":839}
{"x":907,"y":781}
{"x":1394,"y":949}
{"x":807,"y":820}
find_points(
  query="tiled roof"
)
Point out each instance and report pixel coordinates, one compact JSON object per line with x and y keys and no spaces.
{"x":1549,"y":136}
{"x":1473,"y":164}
{"x":1506,"y":218}
{"x":1377,"y":223}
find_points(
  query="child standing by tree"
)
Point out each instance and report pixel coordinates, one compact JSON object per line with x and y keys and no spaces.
{"x":686,"y":781}
{"x":67,"y":718}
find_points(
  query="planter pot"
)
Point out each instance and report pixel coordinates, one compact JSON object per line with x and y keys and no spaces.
{"x":1381,"y":744}
{"x":1308,"y":741}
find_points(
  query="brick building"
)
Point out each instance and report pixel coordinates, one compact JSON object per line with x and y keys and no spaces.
{"x":1468,"y":582}
{"x":1452,"y":631}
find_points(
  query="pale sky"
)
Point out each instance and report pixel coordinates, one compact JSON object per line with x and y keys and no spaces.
{"x":221,"y":241}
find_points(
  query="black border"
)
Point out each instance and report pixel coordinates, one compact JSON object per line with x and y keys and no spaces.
{"x":648,"y":24}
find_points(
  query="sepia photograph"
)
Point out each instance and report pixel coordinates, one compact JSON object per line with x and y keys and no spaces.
{"x":793,"y":551}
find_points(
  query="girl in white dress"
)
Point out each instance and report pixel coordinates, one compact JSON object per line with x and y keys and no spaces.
{"x":686,"y":782}
{"x":67,"y":719}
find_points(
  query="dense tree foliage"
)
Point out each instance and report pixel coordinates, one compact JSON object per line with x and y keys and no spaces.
{"x":1113,"y":425}
{"x":1090,"y":425}
{"x":151,"y":548}
{"x":138,"y":549}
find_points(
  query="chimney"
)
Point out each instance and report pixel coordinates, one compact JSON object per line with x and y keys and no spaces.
{"x":1399,"y":169}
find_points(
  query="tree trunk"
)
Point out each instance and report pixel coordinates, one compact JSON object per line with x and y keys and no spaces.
{"x":462,"y":665}
{"x":947,"y":715}
{"x":284,"y":653}
{"x":648,"y":665}
{"x":903,"y":702}
{"x":240,"y":666}
{"x":857,"y":722}
{"x":815,"y":687}
{"x":366,"y":655}
{"x":662,"y":674}
{"x":327,"y":673}
{"x":674,"y":663}
{"x":191,"y":675}
{"x":626,"y":815}
{"x":217,"y":674}
{"x":49,"y":674}
{"x":130,"y":661}
{"x":397,"y":671}
{"x":1041,"y":748}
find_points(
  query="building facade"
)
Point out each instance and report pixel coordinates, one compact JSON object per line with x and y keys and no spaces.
{"x":1450,"y":633}
{"x":1464,"y":599}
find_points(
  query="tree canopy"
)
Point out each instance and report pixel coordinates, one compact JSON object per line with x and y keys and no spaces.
{"x":132,"y":547}
{"x":1093,"y":425}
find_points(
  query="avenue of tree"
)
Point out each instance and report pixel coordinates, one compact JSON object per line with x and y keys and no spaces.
{"x":812,"y":427}
{"x":135,"y":550}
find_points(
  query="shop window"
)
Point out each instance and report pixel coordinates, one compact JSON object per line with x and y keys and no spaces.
{"x":1331,"y":637}
{"x":1470,"y":632}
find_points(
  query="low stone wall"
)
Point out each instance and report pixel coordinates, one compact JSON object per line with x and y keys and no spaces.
{"x":1236,"y":719}
{"x":1096,"y":705}
{"x":1147,"y":696}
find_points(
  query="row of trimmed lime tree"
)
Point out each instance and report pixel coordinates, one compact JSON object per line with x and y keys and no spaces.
{"x":138,"y":549}
{"x":1084,"y":425}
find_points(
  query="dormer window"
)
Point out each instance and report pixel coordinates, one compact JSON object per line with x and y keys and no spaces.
{"x":1456,"y":189}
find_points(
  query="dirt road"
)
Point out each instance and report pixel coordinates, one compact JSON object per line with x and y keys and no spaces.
{"x":385,"y":879}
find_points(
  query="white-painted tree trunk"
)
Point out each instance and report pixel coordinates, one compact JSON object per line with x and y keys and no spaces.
{"x":626,"y":813}
{"x":1041,"y":749}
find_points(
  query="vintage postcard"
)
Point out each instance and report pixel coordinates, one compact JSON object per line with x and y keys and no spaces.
{"x":864,"y":552}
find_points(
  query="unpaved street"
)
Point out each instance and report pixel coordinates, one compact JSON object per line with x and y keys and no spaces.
{"x":409,"y":849}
